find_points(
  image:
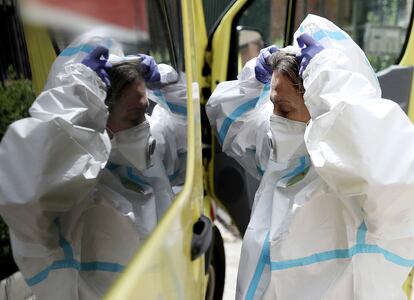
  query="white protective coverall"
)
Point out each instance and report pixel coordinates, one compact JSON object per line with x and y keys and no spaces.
{"x":76,"y":217}
{"x":333,"y":217}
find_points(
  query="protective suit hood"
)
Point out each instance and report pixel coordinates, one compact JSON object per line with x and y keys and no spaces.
{"x":78,"y":49}
{"x":331,"y":36}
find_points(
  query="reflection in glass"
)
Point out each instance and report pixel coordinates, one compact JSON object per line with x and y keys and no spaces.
{"x":267,"y":19}
{"x":101,"y":165}
{"x":250,"y":43}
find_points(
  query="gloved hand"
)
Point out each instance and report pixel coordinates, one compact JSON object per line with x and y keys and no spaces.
{"x":305,"y":54}
{"x":151,"y":73}
{"x":97,"y":60}
{"x":263,"y":70}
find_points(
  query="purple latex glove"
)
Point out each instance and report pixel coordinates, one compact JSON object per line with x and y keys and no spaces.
{"x":97,"y":60}
{"x":151,"y":73}
{"x":307,"y":53}
{"x":263,"y":70}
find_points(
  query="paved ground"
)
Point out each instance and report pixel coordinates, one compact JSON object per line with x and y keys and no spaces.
{"x":232,"y":246}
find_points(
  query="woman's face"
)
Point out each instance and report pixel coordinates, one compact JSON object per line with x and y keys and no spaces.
{"x":129,"y":110}
{"x":287,"y":100}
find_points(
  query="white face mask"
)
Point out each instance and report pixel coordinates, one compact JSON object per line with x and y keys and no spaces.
{"x":134,"y":146}
{"x":287,"y":138}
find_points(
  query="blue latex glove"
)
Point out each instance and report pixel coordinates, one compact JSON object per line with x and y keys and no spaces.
{"x":263,"y":70}
{"x":151,"y":73}
{"x":309,"y":48}
{"x":97,"y":60}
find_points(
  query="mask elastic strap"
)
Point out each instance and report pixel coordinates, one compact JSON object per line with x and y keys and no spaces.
{"x":110,"y":132}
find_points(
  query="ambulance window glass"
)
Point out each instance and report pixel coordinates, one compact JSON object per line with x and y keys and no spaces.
{"x":260,"y":24}
{"x":151,"y":27}
{"x":213,"y":10}
{"x":165,"y":34}
{"x":145,"y":27}
{"x":378,"y":27}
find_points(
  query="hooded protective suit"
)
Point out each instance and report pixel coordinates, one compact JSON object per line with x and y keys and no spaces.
{"x":78,"y":207}
{"x":333,"y":217}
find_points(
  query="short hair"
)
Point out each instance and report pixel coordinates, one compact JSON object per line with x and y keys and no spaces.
{"x":288,"y":65}
{"x":121,"y":76}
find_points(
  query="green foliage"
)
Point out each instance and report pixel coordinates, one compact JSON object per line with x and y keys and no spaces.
{"x":16,"y":96}
{"x":380,"y":62}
